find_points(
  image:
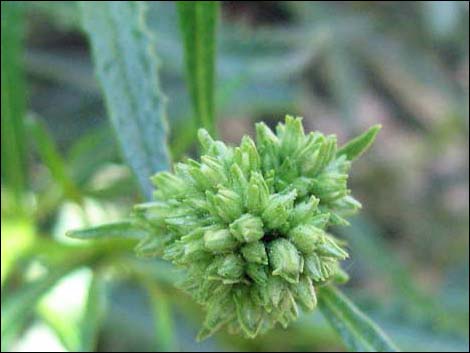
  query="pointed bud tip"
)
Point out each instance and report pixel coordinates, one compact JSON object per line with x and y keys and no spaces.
{"x":204,"y":138}
{"x":357,"y":146}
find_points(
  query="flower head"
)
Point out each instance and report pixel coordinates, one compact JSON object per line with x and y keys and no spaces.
{"x":249,"y":224}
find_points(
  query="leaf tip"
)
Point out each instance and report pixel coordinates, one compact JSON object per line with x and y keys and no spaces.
{"x":74,"y":234}
{"x":357,"y":146}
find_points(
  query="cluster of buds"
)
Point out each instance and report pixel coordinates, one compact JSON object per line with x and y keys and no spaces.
{"x":249,"y":224}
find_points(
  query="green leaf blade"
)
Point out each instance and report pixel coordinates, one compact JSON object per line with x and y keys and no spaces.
{"x":127,"y":68}
{"x":13,"y":100}
{"x":357,"y":146}
{"x":24,"y":301}
{"x":60,"y":260}
{"x":198,"y":22}
{"x":50,"y":155}
{"x":126,"y":230}
{"x":162,"y":315}
{"x":359,"y":333}
{"x":93,"y":315}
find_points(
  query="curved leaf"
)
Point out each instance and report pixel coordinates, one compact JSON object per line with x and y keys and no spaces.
{"x":93,"y":315}
{"x":359,"y":333}
{"x":51,"y":157}
{"x":126,"y":66}
{"x":360,"y":144}
{"x":21,"y":304}
{"x":61,"y":260}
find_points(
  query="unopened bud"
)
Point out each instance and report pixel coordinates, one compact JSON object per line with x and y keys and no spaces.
{"x":247,"y":228}
{"x":255,"y":252}
{"x":219,"y":241}
{"x":284,"y":260}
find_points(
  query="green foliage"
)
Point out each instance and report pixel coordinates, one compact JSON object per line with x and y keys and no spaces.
{"x":125,"y":229}
{"x":13,"y":96}
{"x":367,"y":240}
{"x":58,"y":261}
{"x":89,"y":153}
{"x":198,"y":20}
{"x":20,"y":306}
{"x":17,"y":237}
{"x":51,"y":158}
{"x":360,"y":144}
{"x":358,"y":332}
{"x":93,"y":316}
{"x":126,"y":66}
{"x":75,"y":319}
{"x":339,"y":65}
{"x":163,"y":317}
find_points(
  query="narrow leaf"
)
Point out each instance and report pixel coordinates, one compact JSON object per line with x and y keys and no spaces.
{"x":90,"y":152}
{"x":359,"y":333}
{"x":163,"y":317}
{"x":93,"y":315}
{"x":364,"y":237}
{"x":63,"y":312}
{"x":20,"y":305}
{"x":13,"y":99}
{"x":51,"y":157}
{"x":198,"y":22}
{"x":360,"y":144}
{"x":112,"y":230}
{"x":126,"y":66}
{"x":17,"y":238}
{"x":61,"y":260}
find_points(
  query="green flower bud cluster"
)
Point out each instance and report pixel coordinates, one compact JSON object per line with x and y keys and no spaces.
{"x":249,"y":225}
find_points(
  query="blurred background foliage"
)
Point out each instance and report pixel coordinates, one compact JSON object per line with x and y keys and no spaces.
{"x":341,"y":65}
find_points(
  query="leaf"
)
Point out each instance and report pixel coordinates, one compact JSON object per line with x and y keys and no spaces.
{"x":51,"y":157}
{"x":10,"y":335}
{"x":415,"y":336}
{"x":90,"y":152}
{"x":76,"y":319}
{"x":126,"y":66}
{"x":198,"y":22}
{"x":93,"y":315}
{"x":163,"y":317}
{"x":155,"y":270}
{"x":112,"y":230}
{"x":59,"y":260}
{"x":63,"y":307}
{"x":17,"y":237}
{"x":360,"y":144}
{"x":359,"y":333}
{"x":366,"y":241}
{"x":13,"y":100}
{"x":22,"y":303}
